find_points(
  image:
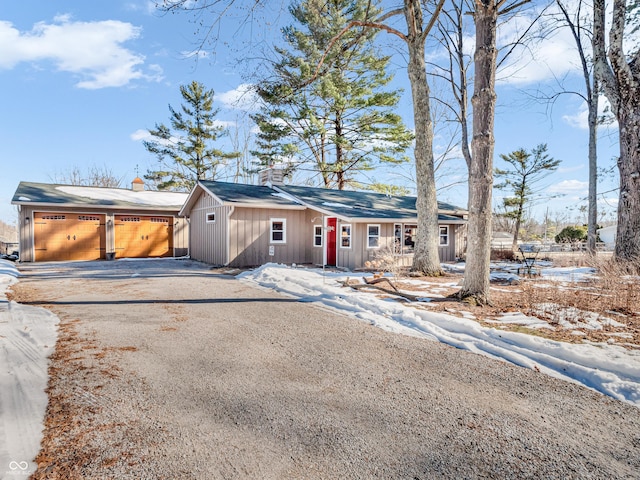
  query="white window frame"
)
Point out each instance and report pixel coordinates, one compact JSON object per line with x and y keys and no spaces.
{"x":207,"y":217}
{"x":408,"y":249}
{"x":317,"y":236}
{"x":283,"y":231}
{"x":369,"y":236}
{"x":397,"y":238}
{"x":344,"y":227}
{"x":443,"y":235}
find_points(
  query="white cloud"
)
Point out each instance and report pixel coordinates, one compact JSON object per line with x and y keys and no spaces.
{"x":144,"y":135}
{"x":543,"y":56}
{"x":580,"y":119}
{"x":91,"y":50}
{"x":140,"y":135}
{"x":243,"y":97}
{"x":569,"y":187}
{"x":224,"y":123}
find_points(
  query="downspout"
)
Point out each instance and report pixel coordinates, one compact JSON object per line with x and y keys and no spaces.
{"x":188,"y":220}
{"x":231,"y":210}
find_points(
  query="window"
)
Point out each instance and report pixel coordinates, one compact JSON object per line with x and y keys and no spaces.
{"x":410,"y":235}
{"x":211,"y":217}
{"x":278,"y":230}
{"x":317,"y":235}
{"x":397,"y":238}
{"x":345,"y":236}
{"x":373,"y":236}
{"x":444,"y":236}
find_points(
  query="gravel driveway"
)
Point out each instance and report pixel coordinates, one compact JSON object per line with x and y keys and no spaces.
{"x":166,"y":369}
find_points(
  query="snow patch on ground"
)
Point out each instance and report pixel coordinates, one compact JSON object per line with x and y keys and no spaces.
{"x":27,"y":337}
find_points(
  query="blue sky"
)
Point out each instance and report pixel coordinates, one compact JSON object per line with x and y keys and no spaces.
{"x":82,"y":81}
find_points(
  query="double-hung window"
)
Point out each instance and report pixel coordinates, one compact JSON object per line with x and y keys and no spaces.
{"x":444,"y":236}
{"x":373,"y":236}
{"x":317,"y":235}
{"x":345,"y":236}
{"x":278,"y":231}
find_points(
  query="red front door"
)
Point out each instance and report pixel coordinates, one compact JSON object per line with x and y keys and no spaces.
{"x":332,"y":225}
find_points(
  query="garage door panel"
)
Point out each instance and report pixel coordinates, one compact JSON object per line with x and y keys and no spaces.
{"x":143,"y":236}
{"x":69,"y":236}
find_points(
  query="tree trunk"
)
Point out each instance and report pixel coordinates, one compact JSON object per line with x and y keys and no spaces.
{"x":592,"y":220}
{"x":628,"y":237}
{"x":476,"y":275}
{"x":618,"y":74}
{"x":426,"y":258}
{"x":516,"y":228}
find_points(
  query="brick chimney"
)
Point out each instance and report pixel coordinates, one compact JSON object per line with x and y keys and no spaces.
{"x":273,"y":175}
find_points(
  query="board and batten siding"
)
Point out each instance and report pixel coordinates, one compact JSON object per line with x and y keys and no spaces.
{"x":250,"y":237}
{"x":209,"y":240}
{"x":359,"y":253}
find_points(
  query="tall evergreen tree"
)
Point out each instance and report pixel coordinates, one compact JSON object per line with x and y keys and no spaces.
{"x":521,"y":179}
{"x":185,"y":151}
{"x":344,"y":122}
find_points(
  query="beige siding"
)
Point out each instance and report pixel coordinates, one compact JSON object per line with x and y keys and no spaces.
{"x":448,"y":253}
{"x":249,"y":237}
{"x":315,"y":255}
{"x":25,"y":234}
{"x":209,"y":240}
{"x":359,"y":253}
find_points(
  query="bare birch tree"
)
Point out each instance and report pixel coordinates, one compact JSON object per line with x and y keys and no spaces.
{"x":580,"y":27}
{"x":619,"y":74}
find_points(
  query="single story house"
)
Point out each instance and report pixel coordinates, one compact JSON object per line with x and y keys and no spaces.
{"x":607,"y":235}
{"x":248,"y":225}
{"x":67,"y":222}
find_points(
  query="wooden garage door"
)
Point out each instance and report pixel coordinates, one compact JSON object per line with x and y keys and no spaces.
{"x":140,"y":236}
{"x":68,"y":236}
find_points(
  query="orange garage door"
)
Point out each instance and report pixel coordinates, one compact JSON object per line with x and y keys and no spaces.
{"x":141,"y":237}
{"x":67,"y":236}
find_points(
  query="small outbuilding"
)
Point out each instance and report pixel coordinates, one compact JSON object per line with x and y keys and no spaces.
{"x":248,"y":225}
{"x":68,"y":222}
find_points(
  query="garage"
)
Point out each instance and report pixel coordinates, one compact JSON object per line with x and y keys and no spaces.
{"x":139,"y":236}
{"x":68,"y":236}
{"x":73,"y":222}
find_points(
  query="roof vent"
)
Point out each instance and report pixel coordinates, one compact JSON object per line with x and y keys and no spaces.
{"x":137,"y":185}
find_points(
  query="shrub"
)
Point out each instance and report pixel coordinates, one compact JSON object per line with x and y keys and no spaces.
{"x":572,"y":234}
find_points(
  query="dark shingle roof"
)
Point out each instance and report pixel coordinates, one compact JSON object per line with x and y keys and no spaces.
{"x":341,"y":203}
{"x":246,"y":194}
{"x":363,"y":205}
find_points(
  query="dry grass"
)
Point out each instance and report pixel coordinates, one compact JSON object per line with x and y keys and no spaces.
{"x":608,"y":300}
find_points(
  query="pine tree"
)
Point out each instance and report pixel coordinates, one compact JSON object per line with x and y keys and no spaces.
{"x":522,"y":179}
{"x":185,"y":151}
{"x":343,"y":123}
